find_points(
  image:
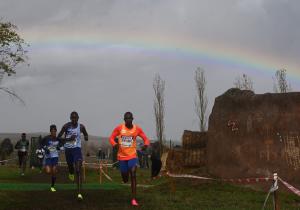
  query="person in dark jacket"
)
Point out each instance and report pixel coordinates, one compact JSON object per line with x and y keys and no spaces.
{"x":156,"y":160}
{"x":22,"y":146}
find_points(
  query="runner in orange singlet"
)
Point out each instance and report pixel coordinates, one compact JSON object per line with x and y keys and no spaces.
{"x":126,"y":134}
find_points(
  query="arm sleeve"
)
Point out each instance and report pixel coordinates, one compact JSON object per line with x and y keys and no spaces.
{"x":114,"y":134}
{"x":143,"y":136}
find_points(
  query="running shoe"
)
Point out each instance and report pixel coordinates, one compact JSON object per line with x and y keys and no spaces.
{"x":52,"y":189}
{"x":79,"y":197}
{"x":134,"y":202}
{"x":71,"y":177}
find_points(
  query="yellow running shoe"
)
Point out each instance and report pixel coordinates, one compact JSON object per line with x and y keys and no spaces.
{"x":79,"y":197}
{"x":71,"y":177}
{"x":52,"y":189}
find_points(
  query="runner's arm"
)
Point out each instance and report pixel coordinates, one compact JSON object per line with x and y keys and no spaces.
{"x":143,"y":136}
{"x":27,"y":145}
{"x":62,"y":131}
{"x":61,"y":142}
{"x":17,"y":145}
{"x":45,"y":145}
{"x":115,"y":133}
{"x":85,"y":134}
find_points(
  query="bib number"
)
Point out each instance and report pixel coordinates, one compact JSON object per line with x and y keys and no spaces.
{"x":52,"y":149}
{"x":126,"y":141}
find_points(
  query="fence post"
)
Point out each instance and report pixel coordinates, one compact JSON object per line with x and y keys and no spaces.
{"x":100,"y":173}
{"x":275,"y":194}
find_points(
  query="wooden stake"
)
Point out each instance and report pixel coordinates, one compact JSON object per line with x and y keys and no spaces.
{"x":276,"y":200}
{"x":100,"y":171}
{"x":106,"y":167}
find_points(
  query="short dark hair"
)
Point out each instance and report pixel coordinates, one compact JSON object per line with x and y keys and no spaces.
{"x":74,"y":113}
{"x":53,"y":127}
{"x":128,"y":113}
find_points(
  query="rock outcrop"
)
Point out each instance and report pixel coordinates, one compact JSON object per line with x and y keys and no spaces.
{"x":254,"y":135}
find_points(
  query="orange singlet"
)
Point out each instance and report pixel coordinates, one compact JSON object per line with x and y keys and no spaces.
{"x":127,"y":140}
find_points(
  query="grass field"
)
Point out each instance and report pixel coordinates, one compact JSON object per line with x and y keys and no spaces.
{"x":32,"y":192}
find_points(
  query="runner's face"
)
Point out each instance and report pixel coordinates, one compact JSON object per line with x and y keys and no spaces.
{"x":74,"y":119}
{"x":128,"y":118}
{"x":23,"y":137}
{"x":53,"y":133}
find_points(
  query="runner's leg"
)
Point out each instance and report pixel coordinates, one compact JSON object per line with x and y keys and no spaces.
{"x":133,"y":181}
{"x":77,"y":155}
{"x":40,"y":164}
{"x":78,"y":166}
{"x":24,"y":160}
{"x":47,"y":169}
{"x":53,"y":175}
{"x":132,"y":166}
{"x":124,"y":170}
{"x":70,"y":162}
{"x":20,"y":159}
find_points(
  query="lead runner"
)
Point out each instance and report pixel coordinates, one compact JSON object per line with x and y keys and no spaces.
{"x":126,"y":134}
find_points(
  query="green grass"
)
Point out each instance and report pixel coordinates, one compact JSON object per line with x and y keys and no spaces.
{"x":165,"y":194}
{"x":45,"y":186}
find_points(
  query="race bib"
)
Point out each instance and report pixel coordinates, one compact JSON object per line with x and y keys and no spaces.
{"x":70,"y":135}
{"x":52,"y":148}
{"x":126,"y":141}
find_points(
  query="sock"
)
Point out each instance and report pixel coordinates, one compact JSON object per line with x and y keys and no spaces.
{"x":53,"y":179}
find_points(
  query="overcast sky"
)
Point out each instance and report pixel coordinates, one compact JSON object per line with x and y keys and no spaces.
{"x":99,"y":57}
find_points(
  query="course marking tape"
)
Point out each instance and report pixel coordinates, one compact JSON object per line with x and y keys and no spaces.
{"x":290,"y":187}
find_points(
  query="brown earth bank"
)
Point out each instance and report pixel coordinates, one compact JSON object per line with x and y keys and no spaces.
{"x":249,"y":135}
{"x":252,"y":135}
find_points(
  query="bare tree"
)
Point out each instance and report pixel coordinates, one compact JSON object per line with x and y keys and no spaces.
{"x":12,"y":54}
{"x":201,"y":98}
{"x":244,"y":82}
{"x":159,"y":109}
{"x":280,"y":83}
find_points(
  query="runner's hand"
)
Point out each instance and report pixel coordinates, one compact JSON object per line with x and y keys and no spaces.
{"x":47,"y":151}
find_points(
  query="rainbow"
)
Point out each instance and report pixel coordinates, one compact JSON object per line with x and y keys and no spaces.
{"x":208,"y":51}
